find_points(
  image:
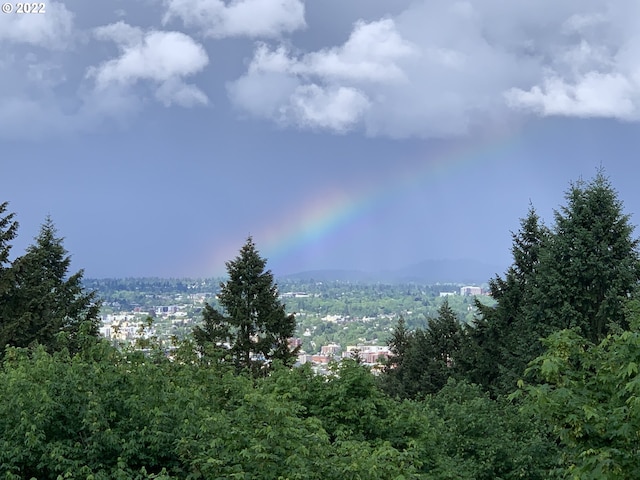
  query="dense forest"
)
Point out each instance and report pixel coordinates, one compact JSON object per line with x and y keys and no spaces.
{"x":542,"y":384}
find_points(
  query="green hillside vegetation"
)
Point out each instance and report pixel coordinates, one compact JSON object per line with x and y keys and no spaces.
{"x":542,"y":384}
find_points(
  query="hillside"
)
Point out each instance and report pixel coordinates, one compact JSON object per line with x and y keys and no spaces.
{"x":427,"y":272}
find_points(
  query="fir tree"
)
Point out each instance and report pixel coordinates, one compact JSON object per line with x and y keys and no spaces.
{"x":8,"y":231}
{"x":394,"y":371}
{"x":424,"y":360}
{"x":43,"y":302}
{"x":254,"y":322}
{"x":580,"y":274}
{"x":501,"y":342}
{"x":590,"y":267}
{"x":399,"y":342}
{"x":444,"y":339}
{"x":213,"y":336}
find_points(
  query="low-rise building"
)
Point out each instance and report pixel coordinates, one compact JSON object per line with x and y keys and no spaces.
{"x":331,"y":349}
{"x":469,"y":290}
{"x":369,"y":354}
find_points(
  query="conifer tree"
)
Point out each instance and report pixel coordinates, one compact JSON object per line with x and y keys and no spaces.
{"x":424,"y":360}
{"x":254,"y":322}
{"x":213,"y":337}
{"x":399,"y":342}
{"x":580,"y":274}
{"x":590,"y":267}
{"x":8,"y":231}
{"x":43,"y":301}
{"x":444,"y":339}
{"x":394,"y":371}
{"x":501,"y":342}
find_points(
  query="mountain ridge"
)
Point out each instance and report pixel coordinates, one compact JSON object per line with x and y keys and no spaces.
{"x":427,"y":271}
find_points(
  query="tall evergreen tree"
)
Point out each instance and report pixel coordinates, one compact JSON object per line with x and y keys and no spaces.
{"x":444,"y":339}
{"x":399,"y":342}
{"x":424,"y":360}
{"x":213,"y":337}
{"x":394,"y":371}
{"x":501,"y":342}
{"x":8,"y":231}
{"x":580,"y":274}
{"x":590,"y":267}
{"x":43,"y":301}
{"x":254,"y":322}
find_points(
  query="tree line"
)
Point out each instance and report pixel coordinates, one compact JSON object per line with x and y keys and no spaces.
{"x":544,"y":384}
{"x":579,"y":274}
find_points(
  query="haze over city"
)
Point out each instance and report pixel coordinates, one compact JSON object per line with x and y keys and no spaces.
{"x":360,"y":135}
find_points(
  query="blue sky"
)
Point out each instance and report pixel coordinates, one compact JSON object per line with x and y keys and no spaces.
{"x":159,"y":134}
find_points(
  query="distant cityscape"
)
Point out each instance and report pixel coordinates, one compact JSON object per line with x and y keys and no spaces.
{"x":316,"y":327}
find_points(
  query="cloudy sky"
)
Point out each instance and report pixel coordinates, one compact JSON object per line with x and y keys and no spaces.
{"x":361,"y":134}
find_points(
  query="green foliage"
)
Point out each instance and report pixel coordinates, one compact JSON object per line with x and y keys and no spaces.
{"x":346,"y":401}
{"x":580,"y":274}
{"x":424,"y":360}
{"x":256,"y":329}
{"x":105,"y":413}
{"x":8,"y":231}
{"x":589,"y":267}
{"x":488,"y":439}
{"x":502,"y":340}
{"x":214,"y":335}
{"x":43,"y":305}
{"x":444,"y":341}
{"x":589,"y":394}
{"x":64,"y":415}
{"x":399,"y":342}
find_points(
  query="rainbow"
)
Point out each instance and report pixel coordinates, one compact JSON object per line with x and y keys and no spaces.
{"x":319,"y":217}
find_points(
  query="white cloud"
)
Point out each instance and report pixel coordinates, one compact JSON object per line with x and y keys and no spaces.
{"x":595,"y":68}
{"x":333,"y":108}
{"x":121,"y":33}
{"x":51,"y":30}
{"x":44,"y":93}
{"x":289,"y":102}
{"x":173,"y":91}
{"x":597,"y":74}
{"x":371,"y":55}
{"x":44,"y":73}
{"x":263,"y":94}
{"x":30,"y":106}
{"x":439,"y":68}
{"x":162,"y":58}
{"x":579,"y":22}
{"x":443,"y":68}
{"x":26,"y":118}
{"x":402,"y":78}
{"x":238,"y":18}
{"x":596,"y":94}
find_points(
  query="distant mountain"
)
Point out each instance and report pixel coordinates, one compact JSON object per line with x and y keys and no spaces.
{"x":445,"y":271}
{"x":428,"y":271}
{"x":333,"y":276}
